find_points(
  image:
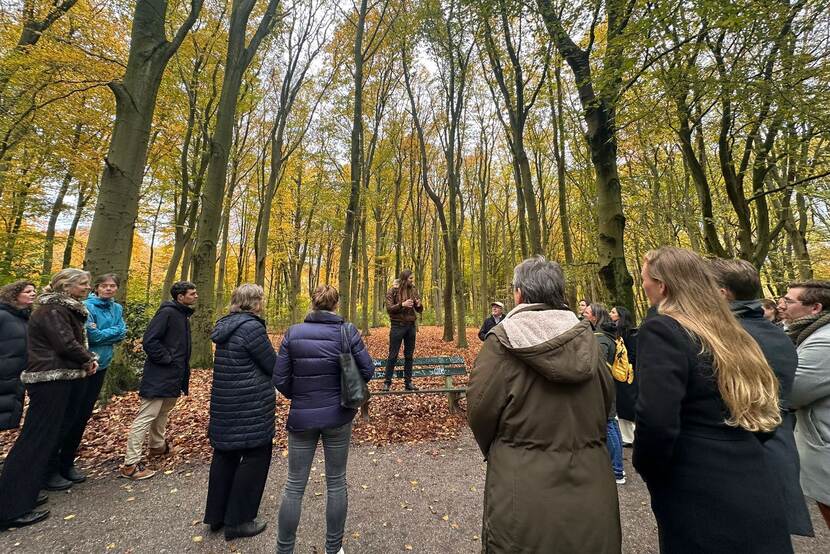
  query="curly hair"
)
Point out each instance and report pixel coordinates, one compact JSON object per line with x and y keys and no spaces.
{"x":10,"y":292}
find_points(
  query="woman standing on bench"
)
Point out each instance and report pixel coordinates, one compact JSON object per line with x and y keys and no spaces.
{"x":403,"y":303}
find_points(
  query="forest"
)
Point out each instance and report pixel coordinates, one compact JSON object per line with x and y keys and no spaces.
{"x":292,"y":143}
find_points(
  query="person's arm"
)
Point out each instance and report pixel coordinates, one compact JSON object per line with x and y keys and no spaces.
{"x":283,"y":370}
{"x":361,"y":354}
{"x":663,"y":373}
{"x":259,"y":347}
{"x":487,"y":395}
{"x":152,"y":340}
{"x":418,"y":305}
{"x":812,"y":376}
{"x":61,"y":337}
{"x":109,"y":335}
{"x":392,"y":304}
{"x":482,"y":333}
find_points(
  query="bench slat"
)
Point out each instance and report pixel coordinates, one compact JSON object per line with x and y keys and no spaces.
{"x":437,"y":360}
{"x":419,"y":391}
{"x":432,"y":372}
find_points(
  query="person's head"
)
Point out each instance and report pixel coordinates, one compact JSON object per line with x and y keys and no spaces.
{"x":497,"y":309}
{"x":247,"y":298}
{"x":806,"y":298}
{"x":406,"y":278}
{"x":20,"y":294}
{"x":597,"y":314}
{"x":184,"y":292}
{"x":581,"y":307}
{"x":737,"y":279}
{"x":680,"y":283}
{"x":770,"y":309}
{"x":623,"y":319}
{"x":325,"y":298}
{"x":70,"y":281}
{"x":106,"y":285}
{"x":537,"y":280}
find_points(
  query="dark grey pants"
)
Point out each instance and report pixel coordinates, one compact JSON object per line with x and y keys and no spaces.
{"x":301,"y":449}
{"x":400,"y":333}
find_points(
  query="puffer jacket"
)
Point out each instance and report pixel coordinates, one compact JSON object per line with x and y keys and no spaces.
{"x":537,"y":403}
{"x":58,"y":348}
{"x":13,"y":322}
{"x":308,"y":371}
{"x":242,"y":400}
{"x":105,"y":328}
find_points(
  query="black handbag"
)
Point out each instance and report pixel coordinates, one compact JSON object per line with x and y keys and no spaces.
{"x":354,"y":392}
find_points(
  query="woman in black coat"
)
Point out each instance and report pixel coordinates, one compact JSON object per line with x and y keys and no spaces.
{"x":626,"y":392}
{"x":707,"y":400}
{"x":242,"y":404}
{"x":57,"y":359}
{"x":16,"y":301}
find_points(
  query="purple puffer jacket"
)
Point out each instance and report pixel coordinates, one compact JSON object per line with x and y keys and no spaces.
{"x":308,"y":371}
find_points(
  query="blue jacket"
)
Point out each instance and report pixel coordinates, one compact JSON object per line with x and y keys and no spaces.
{"x":242,"y":400}
{"x":104,"y":328}
{"x":308,"y":371}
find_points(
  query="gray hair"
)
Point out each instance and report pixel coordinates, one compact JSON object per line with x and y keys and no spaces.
{"x":541,"y":281}
{"x":247,"y":298}
{"x":65,"y":278}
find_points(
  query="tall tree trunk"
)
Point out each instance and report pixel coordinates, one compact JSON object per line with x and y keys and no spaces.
{"x":152,"y":252}
{"x":238,"y":59}
{"x":83,"y":198}
{"x":110,"y":238}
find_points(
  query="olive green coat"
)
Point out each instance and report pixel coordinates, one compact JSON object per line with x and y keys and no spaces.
{"x":538,"y":402}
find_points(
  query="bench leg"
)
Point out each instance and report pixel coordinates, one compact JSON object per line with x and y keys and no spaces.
{"x":452,"y":397}
{"x":364,"y":410}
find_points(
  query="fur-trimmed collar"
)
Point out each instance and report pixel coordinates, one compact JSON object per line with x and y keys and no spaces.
{"x":61,"y":299}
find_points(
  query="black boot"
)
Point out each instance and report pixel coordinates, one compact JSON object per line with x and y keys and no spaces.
{"x":55,"y":482}
{"x":410,"y":386}
{"x":248,"y":529}
{"x":42,"y":498}
{"x":29,"y":518}
{"x":214,"y":527}
{"x":74,"y":474}
{"x":386,"y":387}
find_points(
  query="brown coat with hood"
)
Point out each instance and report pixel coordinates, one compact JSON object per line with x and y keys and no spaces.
{"x":538,"y":403}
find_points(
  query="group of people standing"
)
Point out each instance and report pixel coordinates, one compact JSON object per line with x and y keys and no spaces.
{"x":716,"y":393}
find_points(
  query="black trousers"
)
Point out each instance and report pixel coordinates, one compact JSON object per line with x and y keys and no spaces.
{"x":26,"y":464}
{"x":235,"y":486}
{"x":81,"y":404}
{"x":401,"y":332}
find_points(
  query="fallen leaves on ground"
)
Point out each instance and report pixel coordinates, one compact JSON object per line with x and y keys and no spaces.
{"x":411,"y":418}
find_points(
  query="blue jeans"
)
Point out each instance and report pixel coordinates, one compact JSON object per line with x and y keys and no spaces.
{"x":301,"y":449}
{"x":615,"y":448}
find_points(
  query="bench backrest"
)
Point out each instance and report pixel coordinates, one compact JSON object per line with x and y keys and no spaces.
{"x":439,"y":366}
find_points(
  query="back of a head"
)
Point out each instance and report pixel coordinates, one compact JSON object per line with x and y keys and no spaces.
{"x":541,"y":282}
{"x":745,"y":380}
{"x":247,"y":298}
{"x":738,"y":277}
{"x":325,"y":298}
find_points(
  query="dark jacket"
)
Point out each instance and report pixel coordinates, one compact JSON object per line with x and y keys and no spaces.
{"x":608,"y":348}
{"x":782,"y":357}
{"x":57,"y":340}
{"x":12,"y":363}
{"x":395,"y":298}
{"x":167,"y":344}
{"x":489,"y":323}
{"x":308,"y":371}
{"x":537,"y":403}
{"x":627,"y":392}
{"x":709,"y":482}
{"x":242,"y":399}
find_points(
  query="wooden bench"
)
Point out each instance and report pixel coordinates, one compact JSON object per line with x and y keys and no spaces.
{"x":440,"y":366}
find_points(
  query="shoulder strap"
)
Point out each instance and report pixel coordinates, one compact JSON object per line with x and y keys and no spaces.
{"x":344,"y":339}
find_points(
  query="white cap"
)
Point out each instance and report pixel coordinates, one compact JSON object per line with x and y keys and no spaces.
{"x":499,"y":304}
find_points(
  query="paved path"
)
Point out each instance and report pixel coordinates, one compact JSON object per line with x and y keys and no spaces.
{"x":425,"y":497}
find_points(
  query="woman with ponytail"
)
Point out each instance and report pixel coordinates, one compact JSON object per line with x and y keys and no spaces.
{"x":707,"y":400}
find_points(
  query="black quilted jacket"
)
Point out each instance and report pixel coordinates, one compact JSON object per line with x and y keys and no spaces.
{"x":12,"y":363}
{"x":243,"y":399}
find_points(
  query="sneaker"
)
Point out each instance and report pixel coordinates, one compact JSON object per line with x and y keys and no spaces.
{"x":56,"y":482}
{"x":386,"y":387}
{"x":136,"y":472}
{"x":621,"y":480}
{"x":74,"y":474}
{"x":162,"y":452}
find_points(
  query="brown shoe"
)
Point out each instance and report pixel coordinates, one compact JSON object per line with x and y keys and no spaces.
{"x":136,"y":472}
{"x":162,"y":452}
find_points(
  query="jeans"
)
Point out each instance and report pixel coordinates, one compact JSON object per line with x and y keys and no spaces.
{"x":237,"y":480}
{"x":301,"y":448}
{"x":615,"y":448}
{"x":400,"y":332}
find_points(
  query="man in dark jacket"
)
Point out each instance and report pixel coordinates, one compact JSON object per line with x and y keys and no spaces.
{"x":166,"y":376}
{"x":403,"y":304}
{"x":741,"y":286}
{"x":496,"y":317}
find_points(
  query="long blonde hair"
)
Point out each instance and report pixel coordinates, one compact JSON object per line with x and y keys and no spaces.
{"x":746,"y":382}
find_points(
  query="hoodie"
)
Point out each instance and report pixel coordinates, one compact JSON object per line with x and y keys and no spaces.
{"x":538,"y":399}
